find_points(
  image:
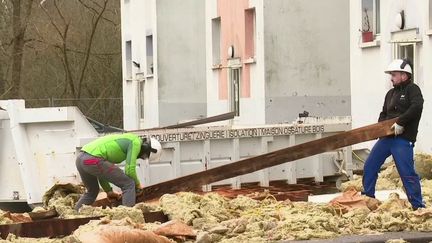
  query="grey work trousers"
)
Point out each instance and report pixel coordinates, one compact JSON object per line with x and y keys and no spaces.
{"x":91,"y":169}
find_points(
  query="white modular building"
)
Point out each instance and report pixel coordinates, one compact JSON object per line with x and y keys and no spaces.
{"x":271,"y":60}
{"x":397,"y":29}
{"x":266,"y":60}
{"x":163,"y":53}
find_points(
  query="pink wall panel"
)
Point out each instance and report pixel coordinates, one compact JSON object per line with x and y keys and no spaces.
{"x":234,"y":30}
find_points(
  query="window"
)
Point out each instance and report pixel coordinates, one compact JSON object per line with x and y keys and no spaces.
{"x":430,"y":14}
{"x":371,"y":19}
{"x":128,"y":56}
{"x":149,"y":51}
{"x":216,"y":40}
{"x":377,"y":22}
{"x":406,"y":50}
{"x":250,"y":32}
{"x":235,"y":90}
{"x":141,"y":88}
{"x":405,"y":45}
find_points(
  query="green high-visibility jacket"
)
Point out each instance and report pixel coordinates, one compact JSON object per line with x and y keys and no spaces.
{"x":117,"y":148}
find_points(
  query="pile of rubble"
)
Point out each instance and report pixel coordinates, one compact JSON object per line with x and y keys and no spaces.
{"x":389,"y":178}
{"x":214,"y":218}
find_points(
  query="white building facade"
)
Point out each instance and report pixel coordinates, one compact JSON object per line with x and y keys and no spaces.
{"x":163,"y":53}
{"x":400,"y":29}
{"x":266,"y":60}
{"x":271,"y":60}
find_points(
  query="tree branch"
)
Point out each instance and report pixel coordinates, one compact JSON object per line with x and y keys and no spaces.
{"x":59,"y":32}
{"x":20,"y":20}
{"x":6,"y":92}
{"x":63,"y":48}
{"x":95,"y":11}
{"x":60,"y":13}
{"x":27,"y":14}
{"x":89,"y":46}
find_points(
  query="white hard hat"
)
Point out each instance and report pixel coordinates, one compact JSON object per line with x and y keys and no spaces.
{"x":399,"y":65}
{"x":156,"y":150}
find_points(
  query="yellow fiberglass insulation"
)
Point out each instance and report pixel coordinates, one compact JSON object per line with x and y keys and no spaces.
{"x":64,"y":205}
{"x":270,"y":220}
{"x":396,"y":241}
{"x":218,"y":219}
{"x":4,"y":219}
{"x":389,"y":178}
{"x":423,"y":165}
{"x":426,"y":186}
{"x":16,"y":239}
{"x":125,"y":222}
{"x":116,"y":213}
{"x":190,"y":207}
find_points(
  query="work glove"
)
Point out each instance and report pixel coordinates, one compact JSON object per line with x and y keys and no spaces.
{"x":398,"y":129}
{"x":113,"y":195}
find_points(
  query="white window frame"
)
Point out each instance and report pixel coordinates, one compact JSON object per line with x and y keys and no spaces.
{"x":234,"y":89}
{"x":149,"y":55}
{"x":141,"y":100}
{"x":376,"y":17}
{"x":216,"y":41}
{"x":128,"y":60}
{"x":404,"y":39}
{"x":429,"y":32}
{"x":400,"y":52}
{"x":254,"y":34}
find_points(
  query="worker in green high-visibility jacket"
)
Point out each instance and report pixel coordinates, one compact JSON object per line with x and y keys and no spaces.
{"x":96,"y":164}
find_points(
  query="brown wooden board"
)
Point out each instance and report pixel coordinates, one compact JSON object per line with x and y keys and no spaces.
{"x":221,"y":117}
{"x":245,"y":166}
{"x":51,"y":213}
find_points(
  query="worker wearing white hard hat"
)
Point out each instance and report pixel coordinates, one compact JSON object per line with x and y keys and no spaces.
{"x":404,"y":102}
{"x":399,"y":65}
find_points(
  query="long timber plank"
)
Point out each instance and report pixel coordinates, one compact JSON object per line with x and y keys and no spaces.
{"x":221,"y":117}
{"x":245,"y":166}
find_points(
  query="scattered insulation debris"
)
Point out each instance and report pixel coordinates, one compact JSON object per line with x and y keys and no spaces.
{"x":16,"y":239}
{"x":389,"y":178}
{"x":220,"y":220}
{"x":214,"y":218}
{"x":396,"y":241}
{"x":217,"y":219}
{"x":4,"y":219}
{"x":10,"y":218}
{"x":124,"y":230}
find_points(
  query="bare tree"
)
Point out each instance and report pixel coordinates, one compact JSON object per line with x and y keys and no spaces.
{"x":21,"y":11}
{"x":62,"y":29}
{"x":70,"y":55}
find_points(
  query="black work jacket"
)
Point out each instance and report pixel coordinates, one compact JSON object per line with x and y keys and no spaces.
{"x":404,"y":101}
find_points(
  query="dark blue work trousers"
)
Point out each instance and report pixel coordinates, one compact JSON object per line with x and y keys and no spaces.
{"x":403,"y":155}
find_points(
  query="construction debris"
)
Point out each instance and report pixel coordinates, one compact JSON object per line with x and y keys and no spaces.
{"x":218,"y":219}
{"x":10,"y":218}
{"x":107,"y":231}
{"x":237,"y":218}
{"x":389,"y":178}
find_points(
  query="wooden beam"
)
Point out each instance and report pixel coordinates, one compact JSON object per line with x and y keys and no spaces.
{"x":220,"y":117}
{"x":277,"y":157}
